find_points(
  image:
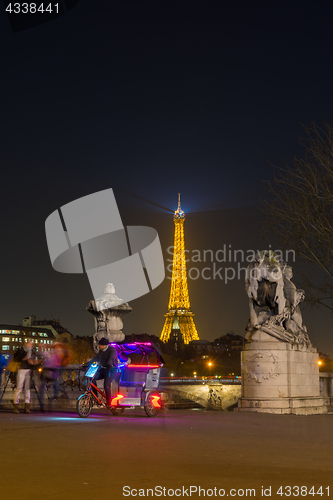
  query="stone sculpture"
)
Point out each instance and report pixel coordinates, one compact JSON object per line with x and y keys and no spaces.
{"x":108,"y":311}
{"x":280,"y":373}
{"x":274,"y":299}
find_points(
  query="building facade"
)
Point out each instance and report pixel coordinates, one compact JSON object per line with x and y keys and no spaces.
{"x":229,"y":342}
{"x":14,"y":336}
{"x":59,"y":332}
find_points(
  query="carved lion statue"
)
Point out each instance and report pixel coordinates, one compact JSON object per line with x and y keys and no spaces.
{"x":274,"y":299}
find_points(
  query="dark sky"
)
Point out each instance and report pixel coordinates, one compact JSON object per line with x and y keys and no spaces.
{"x":155,"y":98}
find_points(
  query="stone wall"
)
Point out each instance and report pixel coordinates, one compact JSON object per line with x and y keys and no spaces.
{"x":212,"y":396}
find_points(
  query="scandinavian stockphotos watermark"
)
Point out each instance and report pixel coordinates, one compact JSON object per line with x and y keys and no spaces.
{"x":225,"y":264}
{"x":87,"y":236}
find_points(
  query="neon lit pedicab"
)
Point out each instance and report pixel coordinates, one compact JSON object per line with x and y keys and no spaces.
{"x":136,"y":383}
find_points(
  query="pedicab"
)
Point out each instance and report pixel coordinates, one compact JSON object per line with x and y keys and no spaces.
{"x":135,"y":385}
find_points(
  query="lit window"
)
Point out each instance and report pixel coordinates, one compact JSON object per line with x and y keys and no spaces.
{"x":13,"y":339}
{"x":33,"y":333}
{"x":5,"y":339}
{"x":6,"y":347}
{"x":20,"y":340}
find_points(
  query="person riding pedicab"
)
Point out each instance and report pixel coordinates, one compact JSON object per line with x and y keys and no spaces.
{"x":107,"y":359}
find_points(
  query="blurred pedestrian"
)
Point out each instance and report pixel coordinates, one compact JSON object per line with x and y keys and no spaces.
{"x":26,"y":358}
{"x":3,"y":364}
{"x":51,"y":362}
{"x":64,"y":352}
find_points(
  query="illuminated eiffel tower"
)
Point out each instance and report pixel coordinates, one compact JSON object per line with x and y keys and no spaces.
{"x":179,"y":311}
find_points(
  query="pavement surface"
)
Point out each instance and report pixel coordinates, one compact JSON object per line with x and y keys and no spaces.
{"x":61,"y":456}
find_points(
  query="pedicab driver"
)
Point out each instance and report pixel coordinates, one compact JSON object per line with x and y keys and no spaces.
{"x":108,"y":360}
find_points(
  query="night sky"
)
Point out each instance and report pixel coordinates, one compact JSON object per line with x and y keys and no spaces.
{"x":152,"y":99}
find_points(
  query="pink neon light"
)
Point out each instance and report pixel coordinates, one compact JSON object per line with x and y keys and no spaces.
{"x":114,"y":401}
{"x":139,"y":343}
{"x":133,"y":343}
{"x":143,"y":366}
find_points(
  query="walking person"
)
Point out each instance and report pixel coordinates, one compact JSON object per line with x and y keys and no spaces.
{"x":3,"y":363}
{"x":25,"y":356}
{"x":50,"y":372}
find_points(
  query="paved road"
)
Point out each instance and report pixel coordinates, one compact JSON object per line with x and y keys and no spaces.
{"x":60,"y":456}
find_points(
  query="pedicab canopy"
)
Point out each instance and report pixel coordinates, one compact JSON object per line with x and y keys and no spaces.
{"x":142,"y":354}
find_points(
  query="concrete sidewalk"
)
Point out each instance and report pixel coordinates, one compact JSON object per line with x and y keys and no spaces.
{"x":60,"y":456}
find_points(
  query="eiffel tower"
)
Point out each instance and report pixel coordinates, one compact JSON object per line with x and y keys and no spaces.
{"x":179,"y":311}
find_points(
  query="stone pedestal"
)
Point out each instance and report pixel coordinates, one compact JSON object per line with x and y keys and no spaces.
{"x":108,"y":322}
{"x":278,"y":377}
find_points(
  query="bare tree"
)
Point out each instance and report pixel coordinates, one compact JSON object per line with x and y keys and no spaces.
{"x":299,"y":210}
{"x":82,"y":351}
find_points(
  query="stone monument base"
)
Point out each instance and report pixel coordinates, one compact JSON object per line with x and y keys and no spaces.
{"x":279,"y":377}
{"x":292,"y":406}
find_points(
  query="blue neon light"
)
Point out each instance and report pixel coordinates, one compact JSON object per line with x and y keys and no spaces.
{"x":92,"y":370}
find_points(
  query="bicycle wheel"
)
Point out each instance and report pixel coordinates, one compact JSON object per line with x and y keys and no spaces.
{"x":150,"y":409}
{"x":84,"y":405}
{"x":117,"y":410}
